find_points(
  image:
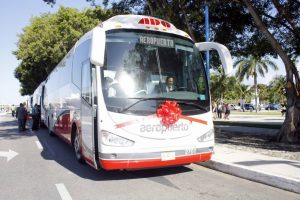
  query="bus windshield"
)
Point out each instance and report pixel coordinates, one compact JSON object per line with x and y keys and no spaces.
{"x":143,"y":69}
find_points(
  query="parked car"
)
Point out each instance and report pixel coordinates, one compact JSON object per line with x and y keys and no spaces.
{"x":273,"y":106}
{"x":234,"y":107}
{"x":248,"y":106}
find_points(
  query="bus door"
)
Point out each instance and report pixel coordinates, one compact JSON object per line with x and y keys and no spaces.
{"x":88,"y":111}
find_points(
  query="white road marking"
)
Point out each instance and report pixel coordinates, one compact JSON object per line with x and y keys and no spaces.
{"x":64,"y":194}
{"x":39,"y":145}
{"x":9,"y":155}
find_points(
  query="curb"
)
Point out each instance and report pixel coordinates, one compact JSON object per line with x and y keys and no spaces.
{"x":249,"y":124}
{"x":281,"y":182}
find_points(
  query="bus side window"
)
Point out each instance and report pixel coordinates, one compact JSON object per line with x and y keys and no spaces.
{"x":81,"y":54}
{"x":86,"y":82}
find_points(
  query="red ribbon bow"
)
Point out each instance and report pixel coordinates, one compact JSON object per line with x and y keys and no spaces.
{"x":170,"y":112}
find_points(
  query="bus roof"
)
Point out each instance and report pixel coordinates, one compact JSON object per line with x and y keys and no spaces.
{"x":141,"y":22}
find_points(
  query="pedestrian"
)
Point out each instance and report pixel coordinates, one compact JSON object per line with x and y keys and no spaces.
{"x":26,"y":116}
{"x":227,"y":111}
{"x":220,"y":110}
{"x":13,"y":111}
{"x":21,"y":114}
{"x":214,"y":110}
{"x":35,"y":117}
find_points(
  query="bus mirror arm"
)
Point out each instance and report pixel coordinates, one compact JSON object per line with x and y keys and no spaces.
{"x":223,"y":52}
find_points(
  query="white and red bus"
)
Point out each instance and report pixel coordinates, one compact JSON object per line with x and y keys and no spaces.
{"x":108,"y":97}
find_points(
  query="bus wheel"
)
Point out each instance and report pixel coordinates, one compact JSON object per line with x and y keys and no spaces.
{"x":76,"y":145}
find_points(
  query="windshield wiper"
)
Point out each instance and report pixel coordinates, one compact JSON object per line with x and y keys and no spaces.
{"x":194,"y":104}
{"x":163,"y":98}
{"x":143,"y":99}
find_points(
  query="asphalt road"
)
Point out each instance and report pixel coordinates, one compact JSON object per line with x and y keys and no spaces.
{"x":45,"y":168}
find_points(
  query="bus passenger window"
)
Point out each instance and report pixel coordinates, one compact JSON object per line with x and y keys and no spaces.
{"x":86,"y":82}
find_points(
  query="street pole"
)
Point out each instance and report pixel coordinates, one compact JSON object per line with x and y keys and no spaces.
{"x":207,"y":40}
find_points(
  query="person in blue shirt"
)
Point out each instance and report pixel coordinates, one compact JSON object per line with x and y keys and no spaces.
{"x":21,"y":115}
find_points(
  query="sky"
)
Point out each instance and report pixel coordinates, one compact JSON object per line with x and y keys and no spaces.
{"x":14,"y":16}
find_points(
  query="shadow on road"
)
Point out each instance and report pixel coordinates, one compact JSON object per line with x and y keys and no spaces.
{"x":9,"y":129}
{"x":57,"y":150}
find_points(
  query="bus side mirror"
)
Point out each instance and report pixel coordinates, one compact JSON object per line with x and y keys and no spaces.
{"x":98,"y":47}
{"x":223,"y":52}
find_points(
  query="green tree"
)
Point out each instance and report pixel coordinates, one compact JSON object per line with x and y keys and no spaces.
{"x":46,"y":41}
{"x":244,"y":92}
{"x":277,"y":88}
{"x":222,"y":85}
{"x":233,"y":85}
{"x":284,"y":39}
{"x":263,"y":93}
{"x":251,"y":67}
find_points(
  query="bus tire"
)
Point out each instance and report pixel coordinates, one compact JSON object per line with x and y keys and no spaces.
{"x":76,"y":146}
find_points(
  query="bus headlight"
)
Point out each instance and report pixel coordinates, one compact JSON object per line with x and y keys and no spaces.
{"x":209,"y":135}
{"x":111,"y":139}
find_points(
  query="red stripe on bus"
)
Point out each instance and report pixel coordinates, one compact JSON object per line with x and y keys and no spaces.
{"x":192,"y":119}
{"x":153,"y":163}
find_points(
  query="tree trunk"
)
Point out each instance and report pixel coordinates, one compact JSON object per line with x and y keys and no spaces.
{"x":255,"y":88}
{"x":290,"y":130}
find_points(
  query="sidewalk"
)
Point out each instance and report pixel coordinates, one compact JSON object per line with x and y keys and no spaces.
{"x":277,"y":172}
{"x":280,"y":173}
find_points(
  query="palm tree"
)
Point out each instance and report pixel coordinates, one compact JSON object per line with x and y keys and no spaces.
{"x":264,"y":92}
{"x":220,"y":84}
{"x":251,"y":67}
{"x":244,"y":91}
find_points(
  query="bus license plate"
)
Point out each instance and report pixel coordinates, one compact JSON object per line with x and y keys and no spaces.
{"x":167,"y":156}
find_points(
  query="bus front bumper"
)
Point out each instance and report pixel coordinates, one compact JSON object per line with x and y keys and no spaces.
{"x":166,"y":159}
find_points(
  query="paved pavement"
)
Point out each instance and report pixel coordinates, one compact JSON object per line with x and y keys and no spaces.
{"x":280,"y":173}
{"x":277,"y":172}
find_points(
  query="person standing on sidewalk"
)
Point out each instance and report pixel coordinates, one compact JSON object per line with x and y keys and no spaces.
{"x":13,"y":110}
{"x":227,"y":111}
{"x":219,"y":110}
{"x":26,"y":116}
{"x":214,"y":109}
{"x":21,"y":114}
